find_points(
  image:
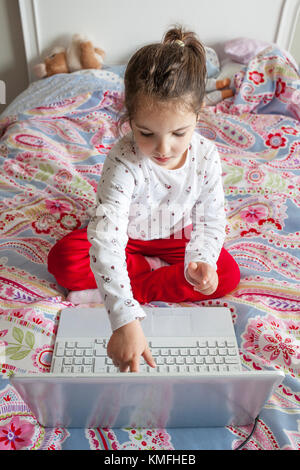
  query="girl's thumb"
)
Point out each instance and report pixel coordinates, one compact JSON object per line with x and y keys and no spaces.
{"x":193,"y":265}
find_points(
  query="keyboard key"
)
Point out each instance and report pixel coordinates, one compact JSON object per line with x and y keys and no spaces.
{"x":202,"y":343}
{"x":223,"y":351}
{"x":209,"y":360}
{"x":174,"y":351}
{"x":163,"y":368}
{"x":184,"y":351}
{"x":199,"y":360}
{"x":231,"y":360}
{"x":68,"y":360}
{"x":164,"y":352}
{"x":57,"y":364}
{"x":183,"y":368}
{"x":87,"y":369}
{"x":100,"y":369}
{"x":77,"y":361}
{"x":78,"y":352}
{"x":212,"y":351}
{"x":160,"y":361}
{"x":67,"y":369}
{"x":100,"y":350}
{"x":69,"y":352}
{"x":232,"y":352}
{"x":170,"y":360}
{"x":179,"y":360}
{"x":88,"y":352}
{"x":77,"y":369}
{"x":100,"y":362}
{"x":211,"y":343}
{"x":219,"y":360}
{"x":70,"y":344}
{"x":85,"y":344}
{"x":87,"y":360}
{"x":193,"y":351}
{"x":60,"y":351}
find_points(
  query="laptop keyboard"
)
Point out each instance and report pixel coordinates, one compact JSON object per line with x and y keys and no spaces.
{"x":172,"y":355}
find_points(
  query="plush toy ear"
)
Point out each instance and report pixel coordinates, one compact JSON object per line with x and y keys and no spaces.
{"x":40,"y":70}
{"x":88,"y":58}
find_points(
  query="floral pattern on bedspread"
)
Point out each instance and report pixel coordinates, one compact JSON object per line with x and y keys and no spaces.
{"x":51,"y":160}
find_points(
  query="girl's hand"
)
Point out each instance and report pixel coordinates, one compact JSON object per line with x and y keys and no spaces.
{"x":126,"y":345}
{"x":203,"y":276}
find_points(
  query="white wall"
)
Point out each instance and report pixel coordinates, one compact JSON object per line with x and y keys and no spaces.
{"x":13,"y":69}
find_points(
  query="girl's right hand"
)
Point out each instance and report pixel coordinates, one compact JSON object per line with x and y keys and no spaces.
{"x":126,"y":345}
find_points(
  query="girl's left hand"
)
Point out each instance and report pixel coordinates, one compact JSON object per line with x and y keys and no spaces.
{"x":203,"y":277}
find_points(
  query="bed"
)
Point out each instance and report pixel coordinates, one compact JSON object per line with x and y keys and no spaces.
{"x":54,"y":140}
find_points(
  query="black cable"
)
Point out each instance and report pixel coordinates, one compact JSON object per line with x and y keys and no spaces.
{"x":250,"y":435}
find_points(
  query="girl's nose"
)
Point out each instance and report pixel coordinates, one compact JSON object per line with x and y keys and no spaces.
{"x":162,"y":148}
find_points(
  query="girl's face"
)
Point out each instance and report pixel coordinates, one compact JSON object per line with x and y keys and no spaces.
{"x":163,"y":131}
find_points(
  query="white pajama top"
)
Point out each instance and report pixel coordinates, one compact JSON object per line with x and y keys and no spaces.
{"x":139,"y":199}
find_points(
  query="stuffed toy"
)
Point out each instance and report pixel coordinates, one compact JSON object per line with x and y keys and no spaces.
{"x":217,"y":90}
{"x":81,"y":54}
{"x":218,"y":80}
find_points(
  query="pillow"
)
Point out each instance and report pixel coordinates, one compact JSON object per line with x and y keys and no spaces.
{"x":117,"y":69}
{"x":242,"y":50}
{"x":212,"y":62}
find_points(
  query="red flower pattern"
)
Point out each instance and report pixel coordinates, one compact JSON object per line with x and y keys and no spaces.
{"x":256,"y":77}
{"x":276,"y":140}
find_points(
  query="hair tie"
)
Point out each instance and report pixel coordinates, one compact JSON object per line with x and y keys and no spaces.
{"x":179,"y":42}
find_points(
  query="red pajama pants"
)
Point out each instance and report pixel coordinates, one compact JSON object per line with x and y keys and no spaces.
{"x":69,"y":262}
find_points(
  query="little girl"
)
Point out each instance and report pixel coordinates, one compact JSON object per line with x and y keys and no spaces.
{"x":160,"y":195}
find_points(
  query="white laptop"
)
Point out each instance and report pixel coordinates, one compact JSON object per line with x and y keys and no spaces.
{"x":198,"y":380}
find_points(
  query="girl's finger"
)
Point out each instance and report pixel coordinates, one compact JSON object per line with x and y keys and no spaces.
{"x":135,"y":364}
{"x":123,"y":367}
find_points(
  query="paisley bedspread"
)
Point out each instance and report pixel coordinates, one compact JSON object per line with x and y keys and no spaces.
{"x":51,"y":159}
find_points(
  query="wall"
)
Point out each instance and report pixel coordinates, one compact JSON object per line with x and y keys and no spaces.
{"x":13,"y":69}
{"x":295,"y":49}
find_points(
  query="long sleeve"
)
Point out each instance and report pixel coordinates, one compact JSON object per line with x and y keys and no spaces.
{"x":208,"y":214}
{"x":107,"y":232}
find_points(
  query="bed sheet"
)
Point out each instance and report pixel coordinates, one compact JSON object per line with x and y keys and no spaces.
{"x":51,"y":160}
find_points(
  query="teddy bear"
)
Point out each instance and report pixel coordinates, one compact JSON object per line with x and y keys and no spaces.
{"x":81,"y":54}
{"x":219,"y":79}
{"x":217,"y":90}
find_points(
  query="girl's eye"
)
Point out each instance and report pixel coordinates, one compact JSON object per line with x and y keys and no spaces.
{"x":146,"y":135}
{"x":179,"y":135}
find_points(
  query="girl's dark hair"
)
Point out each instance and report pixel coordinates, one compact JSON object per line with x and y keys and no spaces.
{"x":170,"y":70}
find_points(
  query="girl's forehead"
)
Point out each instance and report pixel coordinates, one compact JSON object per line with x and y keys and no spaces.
{"x":150,"y":105}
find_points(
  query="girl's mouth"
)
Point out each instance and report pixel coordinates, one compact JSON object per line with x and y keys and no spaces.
{"x":162,"y":159}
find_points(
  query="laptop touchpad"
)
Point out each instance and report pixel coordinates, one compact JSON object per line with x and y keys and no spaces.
{"x":175,"y":324}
